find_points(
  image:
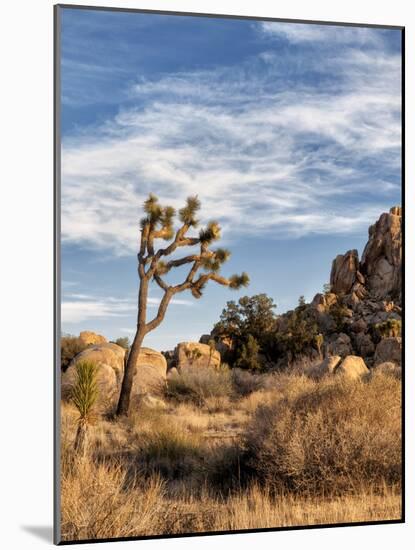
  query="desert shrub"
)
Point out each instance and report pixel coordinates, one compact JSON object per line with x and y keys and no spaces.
{"x":328,"y":437}
{"x":245,"y":382}
{"x":338,"y":312}
{"x":197,"y":384}
{"x":389,"y":328}
{"x":70,"y":347}
{"x":123,"y":342}
{"x":222,"y":468}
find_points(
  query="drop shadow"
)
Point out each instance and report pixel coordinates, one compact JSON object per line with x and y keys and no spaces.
{"x":43,"y":532}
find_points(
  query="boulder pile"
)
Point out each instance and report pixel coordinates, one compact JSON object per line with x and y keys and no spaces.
{"x":150,"y":377}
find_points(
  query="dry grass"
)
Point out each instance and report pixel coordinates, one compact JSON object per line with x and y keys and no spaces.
{"x":329,"y":436}
{"x":99,"y":501}
{"x":294,"y":452}
{"x":201,"y":384}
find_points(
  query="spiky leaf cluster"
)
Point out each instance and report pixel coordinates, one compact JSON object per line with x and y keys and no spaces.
{"x":222,"y":254}
{"x":210,"y":263}
{"x":158,"y":216}
{"x":85,"y":390}
{"x":187,"y":213}
{"x":238,"y":281}
{"x":153,"y":209}
{"x":214,"y":262}
{"x":210,"y":233}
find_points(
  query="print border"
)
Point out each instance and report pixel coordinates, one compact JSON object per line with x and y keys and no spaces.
{"x":57,"y":268}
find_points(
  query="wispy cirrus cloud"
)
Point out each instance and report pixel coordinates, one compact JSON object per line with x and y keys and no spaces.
{"x":317,"y":33}
{"x":269,"y":149}
{"x":77,"y":308}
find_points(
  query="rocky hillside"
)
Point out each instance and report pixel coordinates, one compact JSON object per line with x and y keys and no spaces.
{"x":359,"y":314}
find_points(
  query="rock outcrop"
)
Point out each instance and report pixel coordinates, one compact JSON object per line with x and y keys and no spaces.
{"x":340,"y":346}
{"x":344,"y":272}
{"x":379,"y":271}
{"x":109,"y":374}
{"x":151,"y":372}
{"x":389,"y":350}
{"x":194,"y":354}
{"x":150,"y":376}
{"x":222,"y":344}
{"x":359,"y":315}
{"x":87,"y":337}
{"x":107,"y":354}
{"x":382,"y":257}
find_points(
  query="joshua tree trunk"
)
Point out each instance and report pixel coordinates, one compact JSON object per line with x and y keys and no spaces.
{"x":142,"y":329}
{"x":130,"y":367}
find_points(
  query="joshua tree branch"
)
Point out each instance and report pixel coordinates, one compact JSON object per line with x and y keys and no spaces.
{"x":154,"y":323}
{"x":162,"y":284}
{"x":193,"y":271}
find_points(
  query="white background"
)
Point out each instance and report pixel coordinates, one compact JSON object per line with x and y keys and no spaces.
{"x":26,"y":271}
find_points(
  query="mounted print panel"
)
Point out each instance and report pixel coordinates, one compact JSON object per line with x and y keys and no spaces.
{"x":229,"y":274}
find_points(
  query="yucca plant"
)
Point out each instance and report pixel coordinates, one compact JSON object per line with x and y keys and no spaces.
{"x":84,"y":396}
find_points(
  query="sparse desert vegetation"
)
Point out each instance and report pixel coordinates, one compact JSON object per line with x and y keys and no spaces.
{"x":268,"y":421}
{"x":223,"y":450}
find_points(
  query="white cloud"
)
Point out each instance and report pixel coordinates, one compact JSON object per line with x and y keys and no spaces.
{"x":264,"y":155}
{"x":77,"y":308}
{"x":331,"y":34}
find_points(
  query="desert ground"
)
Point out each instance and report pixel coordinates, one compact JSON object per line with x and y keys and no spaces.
{"x":227,"y":451}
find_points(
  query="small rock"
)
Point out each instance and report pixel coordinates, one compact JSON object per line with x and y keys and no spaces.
{"x":352,"y":367}
{"x":329,"y":365}
{"x":389,"y":350}
{"x":359,"y":326}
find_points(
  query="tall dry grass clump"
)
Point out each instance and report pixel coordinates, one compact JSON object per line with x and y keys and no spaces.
{"x":200,"y":385}
{"x":331,"y":437}
{"x":102,"y":500}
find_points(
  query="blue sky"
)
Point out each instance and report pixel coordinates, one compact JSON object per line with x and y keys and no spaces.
{"x":289,"y":133}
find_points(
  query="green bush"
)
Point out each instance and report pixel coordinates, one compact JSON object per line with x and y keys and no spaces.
{"x":299,"y":336}
{"x":248,"y":355}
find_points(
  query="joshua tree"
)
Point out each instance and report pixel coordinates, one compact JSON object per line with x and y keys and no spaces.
{"x":158,"y":224}
{"x":84,"y":396}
